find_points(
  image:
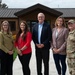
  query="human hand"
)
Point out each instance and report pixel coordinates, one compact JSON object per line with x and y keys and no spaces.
{"x":19,"y":52}
{"x":10,"y":52}
{"x":55,"y":50}
{"x":40,"y":45}
{"x":58,"y":51}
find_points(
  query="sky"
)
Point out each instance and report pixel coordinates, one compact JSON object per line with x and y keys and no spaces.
{"x":48,"y":3}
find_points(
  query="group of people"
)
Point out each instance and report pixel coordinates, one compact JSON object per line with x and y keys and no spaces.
{"x":61,"y":40}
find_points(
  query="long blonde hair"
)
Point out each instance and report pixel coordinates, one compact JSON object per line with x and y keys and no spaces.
{"x":5,"y":22}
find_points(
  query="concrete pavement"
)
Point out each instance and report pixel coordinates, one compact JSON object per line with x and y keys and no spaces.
{"x":17,"y":69}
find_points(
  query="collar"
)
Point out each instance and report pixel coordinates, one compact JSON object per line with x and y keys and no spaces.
{"x":41,"y":23}
{"x":73,"y":31}
{"x":4,"y":32}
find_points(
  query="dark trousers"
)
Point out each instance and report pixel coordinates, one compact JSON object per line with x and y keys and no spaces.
{"x":42,"y":54}
{"x":0,"y":66}
{"x":6,"y":64}
{"x":25,"y":59}
{"x":60,"y":59}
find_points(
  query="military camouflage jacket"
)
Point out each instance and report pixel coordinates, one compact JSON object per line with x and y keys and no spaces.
{"x":71,"y":44}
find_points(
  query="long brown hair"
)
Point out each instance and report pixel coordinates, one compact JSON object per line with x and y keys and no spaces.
{"x":20,"y":31}
{"x":62,"y":20}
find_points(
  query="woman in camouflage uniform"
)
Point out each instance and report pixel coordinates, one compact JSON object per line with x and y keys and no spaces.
{"x":71,"y":47}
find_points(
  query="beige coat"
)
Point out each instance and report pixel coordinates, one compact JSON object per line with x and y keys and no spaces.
{"x":6,"y":42}
{"x":59,"y":42}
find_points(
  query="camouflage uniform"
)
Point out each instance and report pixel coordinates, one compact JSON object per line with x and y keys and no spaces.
{"x":71,"y":52}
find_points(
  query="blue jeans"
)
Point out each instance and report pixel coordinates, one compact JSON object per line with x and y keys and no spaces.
{"x":60,"y":59}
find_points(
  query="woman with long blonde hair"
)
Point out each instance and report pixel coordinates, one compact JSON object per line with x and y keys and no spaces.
{"x":59,"y":37}
{"x":7,"y":48}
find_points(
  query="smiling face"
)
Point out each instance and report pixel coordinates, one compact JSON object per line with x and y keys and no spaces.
{"x":59,"y":22}
{"x":41,"y":17}
{"x":5,"y":26}
{"x":22,"y":26}
{"x":71,"y":26}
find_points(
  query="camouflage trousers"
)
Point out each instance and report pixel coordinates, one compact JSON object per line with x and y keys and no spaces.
{"x":71,"y":65}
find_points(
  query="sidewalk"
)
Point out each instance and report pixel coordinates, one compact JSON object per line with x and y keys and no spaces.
{"x":17,"y":69}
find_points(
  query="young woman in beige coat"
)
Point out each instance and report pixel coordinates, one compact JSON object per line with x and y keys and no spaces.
{"x":6,"y":48}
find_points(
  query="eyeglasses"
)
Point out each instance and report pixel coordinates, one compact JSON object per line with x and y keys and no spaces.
{"x":40,"y":16}
{"x":5,"y":25}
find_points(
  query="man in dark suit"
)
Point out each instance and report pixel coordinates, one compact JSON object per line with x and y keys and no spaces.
{"x":42,"y":36}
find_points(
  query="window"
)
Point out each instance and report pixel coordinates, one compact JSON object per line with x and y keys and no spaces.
{"x":12,"y":25}
{"x":66,"y":24}
{"x":31,"y":23}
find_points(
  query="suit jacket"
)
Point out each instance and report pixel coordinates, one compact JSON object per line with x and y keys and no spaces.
{"x":59,"y":42}
{"x":46,"y":35}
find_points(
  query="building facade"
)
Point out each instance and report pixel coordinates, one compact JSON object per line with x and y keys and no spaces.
{"x":15,"y":15}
